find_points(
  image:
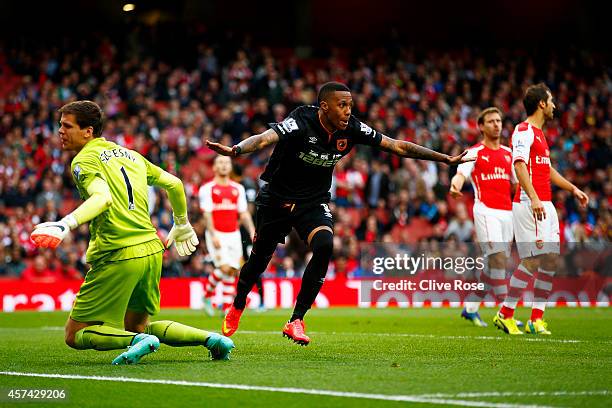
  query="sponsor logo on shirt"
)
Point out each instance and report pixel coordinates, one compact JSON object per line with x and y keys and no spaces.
{"x":542,"y":160}
{"x":312,"y":140}
{"x":322,"y":159}
{"x":225,"y":204}
{"x":498,"y":174}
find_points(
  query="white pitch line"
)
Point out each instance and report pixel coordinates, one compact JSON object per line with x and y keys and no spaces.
{"x":433,"y":336}
{"x":517,"y":394}
{"x":328,"y":393}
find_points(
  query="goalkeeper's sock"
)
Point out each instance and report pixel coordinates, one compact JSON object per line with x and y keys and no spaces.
{"x":177,"y":334}
{"x":100,"y":337}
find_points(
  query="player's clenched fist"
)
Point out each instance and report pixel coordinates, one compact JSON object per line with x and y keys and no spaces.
{"x":184,"y":238}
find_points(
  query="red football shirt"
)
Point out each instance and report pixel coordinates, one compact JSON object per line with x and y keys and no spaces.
{"x":225,"y":202}
{"x":491,"y":173}
{"x":529,"y":145}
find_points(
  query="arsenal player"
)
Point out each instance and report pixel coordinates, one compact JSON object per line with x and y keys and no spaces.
{"x":536,"y":226}
{"x":309,"y":142}
{"x":224,"y":204}
{"x":491,"y":174}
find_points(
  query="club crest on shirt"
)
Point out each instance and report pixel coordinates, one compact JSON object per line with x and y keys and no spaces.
{"x":341,"y":144}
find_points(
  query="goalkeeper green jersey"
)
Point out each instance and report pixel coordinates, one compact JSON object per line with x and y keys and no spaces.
{"x":127,"y":222}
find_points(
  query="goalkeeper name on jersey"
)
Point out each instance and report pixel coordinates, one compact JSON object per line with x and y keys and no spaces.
{"x":127,"y":222}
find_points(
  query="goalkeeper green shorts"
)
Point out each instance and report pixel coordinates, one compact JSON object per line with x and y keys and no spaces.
{"x":112,"y":287}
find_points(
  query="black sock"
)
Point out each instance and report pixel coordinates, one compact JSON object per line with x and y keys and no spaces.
{"x":251,"y":271}
{"x":259,"y":284}
{"x":314,"y":275}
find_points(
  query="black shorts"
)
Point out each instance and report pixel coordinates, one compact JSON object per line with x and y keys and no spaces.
{"x":274,"y":219}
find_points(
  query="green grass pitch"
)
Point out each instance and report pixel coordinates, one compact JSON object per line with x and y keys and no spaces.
{"x":429,"y":357}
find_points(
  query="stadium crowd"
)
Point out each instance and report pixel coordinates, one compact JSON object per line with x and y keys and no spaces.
{"x":166,"y":111}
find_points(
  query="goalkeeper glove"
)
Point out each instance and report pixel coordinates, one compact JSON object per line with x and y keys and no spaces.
{"x":51,"y":234}
{"x":184,"y":237}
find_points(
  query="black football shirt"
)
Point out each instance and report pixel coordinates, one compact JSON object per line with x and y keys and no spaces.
{"x":301,"y":166}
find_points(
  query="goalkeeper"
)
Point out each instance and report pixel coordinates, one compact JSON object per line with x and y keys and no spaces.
{"x":121,"y":290}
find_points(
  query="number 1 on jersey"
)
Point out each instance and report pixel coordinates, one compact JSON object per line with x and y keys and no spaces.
{"x":131,"y":205}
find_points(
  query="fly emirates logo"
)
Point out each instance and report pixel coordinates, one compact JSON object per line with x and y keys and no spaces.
{"x":498,"y":174}
{"x":542,"y":160}
{"x":225,"y":205}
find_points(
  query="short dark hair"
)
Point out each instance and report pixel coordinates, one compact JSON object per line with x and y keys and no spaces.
{"x":86,"y":113}
{"x":330,"y":87}
{"x":533,"y":96}
{"x":485,"y":112}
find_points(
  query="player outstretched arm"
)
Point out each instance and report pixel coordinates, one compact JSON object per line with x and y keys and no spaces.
{"x":248,"y":145}
{"x":558,"y":180}
{"x":414,"y":151}
{"x":182,"y":233}
{"x":51,"y":234}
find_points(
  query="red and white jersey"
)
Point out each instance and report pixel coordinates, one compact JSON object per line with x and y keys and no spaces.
{"x":491,"y":174}
{"x":529,"y":145}
{"x":225,"y":202}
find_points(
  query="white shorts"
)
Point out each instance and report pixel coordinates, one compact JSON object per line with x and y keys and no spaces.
{"x":230,"y":252}
{"x":494,"y":230}
{"x":535,"y":237}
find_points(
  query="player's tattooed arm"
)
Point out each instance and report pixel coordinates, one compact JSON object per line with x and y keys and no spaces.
{"x":414,"y":151}
{"x":248,"y":145}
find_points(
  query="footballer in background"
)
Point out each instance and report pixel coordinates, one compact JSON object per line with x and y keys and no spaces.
{"x":536,"y":225}
{"x":492,"y":177}
{"x":224,"y":204}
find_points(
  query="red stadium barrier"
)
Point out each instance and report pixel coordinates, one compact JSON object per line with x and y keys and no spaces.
{"x":187,"y":293}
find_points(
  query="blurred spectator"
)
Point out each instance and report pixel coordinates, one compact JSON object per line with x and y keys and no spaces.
{"x":461,"y":227}
{"x":39,"y":271}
